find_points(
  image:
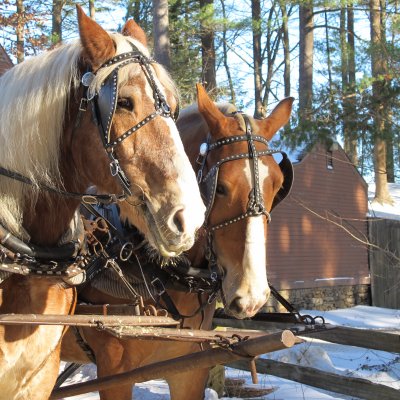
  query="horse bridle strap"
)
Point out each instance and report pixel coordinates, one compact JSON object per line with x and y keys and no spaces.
{"x":87,"y":198}
{"x":256,"y":204}
{"x":105,"y":103}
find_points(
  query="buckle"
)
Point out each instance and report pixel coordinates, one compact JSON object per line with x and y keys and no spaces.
{"x":158,"y":286}
{"x":83,"y":104}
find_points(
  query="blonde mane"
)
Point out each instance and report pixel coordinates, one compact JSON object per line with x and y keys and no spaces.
{"x":34,"y":97}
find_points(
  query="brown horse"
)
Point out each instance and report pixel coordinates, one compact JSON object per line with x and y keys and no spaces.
{"x":97,"y":111}
{"x":241,"y":183}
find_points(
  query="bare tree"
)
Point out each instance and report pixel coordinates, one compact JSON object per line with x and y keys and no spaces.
{"x":306,"y":59}
{"x":259,"y":111}
{"x":56,"y":30}
{"x":92,"y":9}
{"x":207,"y":46}
{"x":378,"y":103}
{"x":161,"y":33}
{"x":20,"y":31}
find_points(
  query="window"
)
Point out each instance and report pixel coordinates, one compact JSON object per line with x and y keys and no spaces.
{"x":329,"y":159}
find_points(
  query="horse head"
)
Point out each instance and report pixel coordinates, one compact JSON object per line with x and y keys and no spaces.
{"x":134,"y":104}
{"x":240,"y":182}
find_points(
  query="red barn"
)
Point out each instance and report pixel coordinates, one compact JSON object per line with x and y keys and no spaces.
{"x":317,"y":254}
{"x":5,"y":61}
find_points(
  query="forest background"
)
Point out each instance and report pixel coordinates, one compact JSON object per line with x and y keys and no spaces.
{"x":338,"y":58}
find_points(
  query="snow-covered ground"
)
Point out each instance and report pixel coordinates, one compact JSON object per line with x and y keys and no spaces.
{"x":385,"y":211}
{"x":377,"y":366}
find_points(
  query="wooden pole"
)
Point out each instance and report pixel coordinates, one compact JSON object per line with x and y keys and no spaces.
{"x":245,"y":349}
{"x":94,"y":321}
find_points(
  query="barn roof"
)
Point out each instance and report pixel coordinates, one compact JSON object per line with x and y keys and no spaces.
{"x":5,"y":61}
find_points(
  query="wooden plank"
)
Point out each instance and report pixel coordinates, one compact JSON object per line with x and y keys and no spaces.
{"x":368,"y":338}
{"x":350,"y":386}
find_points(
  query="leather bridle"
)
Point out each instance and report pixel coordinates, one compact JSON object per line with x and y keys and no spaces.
{"x":104,"y":104}
{"x":256,"y":205}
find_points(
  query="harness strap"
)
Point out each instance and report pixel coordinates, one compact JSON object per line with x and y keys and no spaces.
{"x":87,"y":198}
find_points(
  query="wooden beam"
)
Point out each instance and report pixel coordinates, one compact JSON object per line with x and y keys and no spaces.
{"x":93,"y":321}
{"x":350,"y":386}
{"x":368,"y":338}
{"x":203,"y":359}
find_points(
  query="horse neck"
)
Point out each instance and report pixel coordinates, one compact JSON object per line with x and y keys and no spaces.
{"x":52,"y":214}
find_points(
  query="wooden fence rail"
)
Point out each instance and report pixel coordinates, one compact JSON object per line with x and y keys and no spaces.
{"x":351,"y":386}
{"x":368,"y":338}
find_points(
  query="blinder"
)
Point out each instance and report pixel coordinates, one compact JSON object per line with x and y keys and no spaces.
{"x":286,"y":167}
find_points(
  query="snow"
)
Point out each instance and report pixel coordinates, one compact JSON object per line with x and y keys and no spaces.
{"x":377,"y":366}
{"x":385,"y":210}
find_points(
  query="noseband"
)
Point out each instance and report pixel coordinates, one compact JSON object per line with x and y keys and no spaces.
{"x":256,"y":204}
{"x":104,"y":104}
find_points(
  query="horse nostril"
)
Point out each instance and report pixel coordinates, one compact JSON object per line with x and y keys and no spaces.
{"x":235,"y":305}
{"x":179,"y":221}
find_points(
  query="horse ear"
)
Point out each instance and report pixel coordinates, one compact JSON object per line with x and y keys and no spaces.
{"x":132,"y":29}
{"x":279,"y":117}
{"x":98,"y":47}
{"x":215,"y":119}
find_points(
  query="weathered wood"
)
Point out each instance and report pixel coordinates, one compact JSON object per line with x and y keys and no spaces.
{"x":350,"y":386}
{"x":245,"y":349}
{"x":183,"y":335}
{"x":252,"y":324}
{"x":95,"y":321}
{"x":368,"y":338}
{"x":384,"y":262}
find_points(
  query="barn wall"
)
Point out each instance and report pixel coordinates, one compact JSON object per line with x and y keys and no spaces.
{"x":312,"y":237}
{"x":5,"y":61}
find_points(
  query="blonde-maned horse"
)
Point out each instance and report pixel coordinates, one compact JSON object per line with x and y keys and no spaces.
{"x":241,"y":182}
{"x":97,"y":111}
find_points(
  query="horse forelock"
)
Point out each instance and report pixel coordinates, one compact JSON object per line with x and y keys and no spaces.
{"x":34,"y":96}
{"x":124,"y":44}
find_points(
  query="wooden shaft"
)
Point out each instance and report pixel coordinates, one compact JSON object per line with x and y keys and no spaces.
{"x":204,"y":359}
{"x":95,"y":321}
{"x":182,"y":335}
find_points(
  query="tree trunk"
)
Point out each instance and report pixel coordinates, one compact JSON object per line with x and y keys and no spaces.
{"x":259,"y":111}
{"x":56,"y":30}
{"x":207,"y":46}
{"x":92,"y":10}
{"x":379,"y":70}
{"x":286,"y":48}
{"x":306,"y":56}
{"x":161,"y":33}
{"x":352,"y":142}
{"x":20,"y":31}
{"x":225,"y":56}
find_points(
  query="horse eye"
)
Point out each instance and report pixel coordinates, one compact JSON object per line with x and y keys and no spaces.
{"x":221,"y":190}
{"x":125,"y":103}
